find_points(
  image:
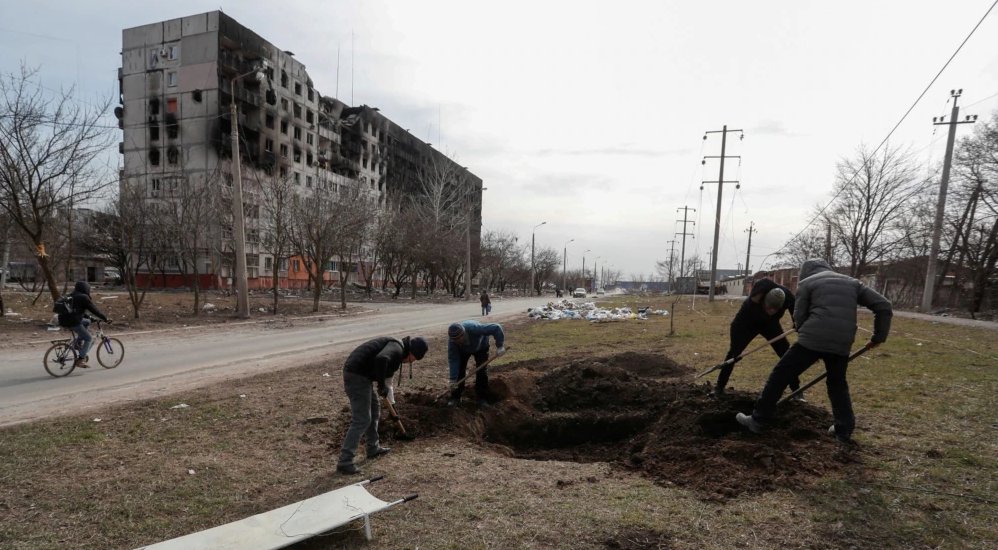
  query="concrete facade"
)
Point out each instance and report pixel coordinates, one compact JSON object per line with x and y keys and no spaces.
{"x":177,"y":80}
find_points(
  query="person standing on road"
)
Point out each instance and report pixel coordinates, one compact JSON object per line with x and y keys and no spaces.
{"x":760,"y":314}
{"x":471,"y":339}
{"x":486,"y":303}
{"x":78,"y":322}
{"x":373,"y":362}
{"x":825,"y":316}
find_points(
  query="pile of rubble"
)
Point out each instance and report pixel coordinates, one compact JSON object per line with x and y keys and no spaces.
{"x":567,"y":309}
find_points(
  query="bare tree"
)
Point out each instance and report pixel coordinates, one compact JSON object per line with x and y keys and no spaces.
{"x":443,"y":207}
{"x":355,"y":211}
{"x":547,"y":262}
{"x":278,"y":203}
{"x":194,"y":207}
{"x":49,"y":148}
{"x":874,"y":191}
{"x":313,"y":236}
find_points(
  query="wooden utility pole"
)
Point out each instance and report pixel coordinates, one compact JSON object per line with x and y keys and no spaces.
{"x":672,"y":254}
{"x":720,"y":190}
{"x":937,"y":226}
{"x":748,"y":252}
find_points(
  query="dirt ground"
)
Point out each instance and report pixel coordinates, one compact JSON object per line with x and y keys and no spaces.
{"x":640,"y":413}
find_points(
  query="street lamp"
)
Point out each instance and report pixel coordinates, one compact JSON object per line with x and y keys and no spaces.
{"x":532,"y":256}
{"x":564,"y":263}
{"x":595,"y":264}
{"x":584,"y":266}
{"x":239,"y":222}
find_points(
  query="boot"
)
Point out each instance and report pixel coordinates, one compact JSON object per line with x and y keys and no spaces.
{"x":749,"y":422}
{"x":378,"y":452}
{"x":799,"y":398}
{"x":348,"y":469}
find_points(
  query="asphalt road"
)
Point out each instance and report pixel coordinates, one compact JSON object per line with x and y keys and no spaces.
{"x":169,"y":361}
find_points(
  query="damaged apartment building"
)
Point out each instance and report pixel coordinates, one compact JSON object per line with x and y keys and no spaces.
{"x":177,"y":81}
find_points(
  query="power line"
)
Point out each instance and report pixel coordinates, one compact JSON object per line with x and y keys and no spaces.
{"x":894,"y":129}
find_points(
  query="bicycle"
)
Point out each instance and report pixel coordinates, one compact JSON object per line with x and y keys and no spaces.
{"x":60,"y":359}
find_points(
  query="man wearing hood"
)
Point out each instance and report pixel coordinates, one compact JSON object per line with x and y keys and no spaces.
{"x":760,"y":314}
{"x":373,"y":362}
{"x":825,"y":315}
{"x":77,"y":320}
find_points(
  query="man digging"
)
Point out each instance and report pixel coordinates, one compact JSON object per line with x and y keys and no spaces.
{"x":471,"y":339}
{"x":825,"y":316}
{"x":760,"y":314}
{"x":374,"y":361}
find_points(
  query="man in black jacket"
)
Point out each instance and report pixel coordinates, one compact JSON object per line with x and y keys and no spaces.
{"x":374,"y":361}
{"x":826,"y":328}
{"x":77,"y":320}
{"x":760,"y":314}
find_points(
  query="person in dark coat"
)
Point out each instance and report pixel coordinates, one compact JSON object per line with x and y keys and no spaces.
{"x":825,"y":316}
{"x":373,"y":362}
{"x":78,"y":322}
{"x":486,"y":303}
{"x":469,"y":339}
{"x":760,"y":314}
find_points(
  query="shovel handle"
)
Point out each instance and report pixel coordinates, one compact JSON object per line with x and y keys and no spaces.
{"x":734,"y":360}
{"x":473,"y":371}
{"x":822,"y":376}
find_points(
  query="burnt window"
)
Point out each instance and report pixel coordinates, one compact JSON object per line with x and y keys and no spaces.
{"x":284,"y":79}
{"x":154,"y":133}
{"x":154,"y":157}
{"x":173,"y":155}
{"x":297,"y":110}
{"x":268,"y":145}
{"x":308,"y":116}
{"x":297,"y":88}
{"x":297,"y":132}
{"x":269,"y":121}
{"x":154,"y":106}
{"x":196,"y":96}
{"x":311,"y":94}
{"x":284,"y":127}
{"x":173,"y":130}
{"x":284,"y":104}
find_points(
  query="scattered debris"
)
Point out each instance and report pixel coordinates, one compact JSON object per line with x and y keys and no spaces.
{"x":180,"y":406}
{"x":316,"y":420}
{"x":208,"y":306}
{"x":567,"y":309}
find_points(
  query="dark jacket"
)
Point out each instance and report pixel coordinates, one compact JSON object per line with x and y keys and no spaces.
{"x":484,"y":298}
{"x":378,"y":359}
{"x":82,"y":304}
{"x":826,"y":309}
{"x":753,"y":314}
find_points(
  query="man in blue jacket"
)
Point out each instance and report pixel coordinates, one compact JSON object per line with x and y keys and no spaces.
{"x":471,"y":339}
{"x":373,"y":362}
{"x":825,"y":315}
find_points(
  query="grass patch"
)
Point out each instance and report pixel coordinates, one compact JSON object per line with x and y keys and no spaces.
{"x":146,"y":472}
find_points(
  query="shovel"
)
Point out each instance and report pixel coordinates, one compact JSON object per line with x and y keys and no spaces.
{"x":734,"y":360}
{"x":801,"y":389}
{"x":394,"y":415}
{"x":473,"y":371}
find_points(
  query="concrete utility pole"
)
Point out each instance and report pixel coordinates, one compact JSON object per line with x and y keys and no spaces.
{"x":584,"y":266}
{"x":720,"y":188}
{"x":672,"y":254}
{"x":239,"y":220}
{"x":937,"y":226}
{"x":828,"y":242}
{"x":684,"y":233}
{"x":748,"y":252}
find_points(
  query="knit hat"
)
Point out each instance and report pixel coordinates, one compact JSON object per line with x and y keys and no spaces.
{"x":775,"y":298}
{"x":455,"y":331}
{"x":418,"y":347}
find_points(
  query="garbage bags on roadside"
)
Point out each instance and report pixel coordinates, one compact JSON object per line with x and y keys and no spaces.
{"x":566,"y":309}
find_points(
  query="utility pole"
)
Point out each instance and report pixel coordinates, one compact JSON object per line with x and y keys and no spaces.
{"x":748,"y":252}
{"x":672,"y":254}
{"x":937,"y":226}
{"x":564,"y":263}
{"x":684,"y":233}
{"x":828,"y":242}
{"x":532,"y":270}
{"x":720,"y":189}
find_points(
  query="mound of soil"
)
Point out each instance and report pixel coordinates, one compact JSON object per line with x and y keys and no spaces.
{"x":604,"y":410}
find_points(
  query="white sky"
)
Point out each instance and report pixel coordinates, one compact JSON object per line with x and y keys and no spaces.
{"x":589,"y":117}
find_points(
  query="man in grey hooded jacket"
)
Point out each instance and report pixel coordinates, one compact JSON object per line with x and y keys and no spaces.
{"x":825,"y":315}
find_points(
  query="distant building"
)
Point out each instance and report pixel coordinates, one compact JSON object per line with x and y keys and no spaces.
{"x":177,"y":80}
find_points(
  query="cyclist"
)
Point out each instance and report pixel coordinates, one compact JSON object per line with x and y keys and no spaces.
{"x":78,"y":321}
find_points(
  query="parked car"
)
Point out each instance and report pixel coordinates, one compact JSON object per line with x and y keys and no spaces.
{"x":579,"y":293}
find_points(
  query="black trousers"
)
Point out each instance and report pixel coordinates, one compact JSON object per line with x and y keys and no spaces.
{"x":797,"y":360}
{"x":481,"y":376}
{"x":741,"y":335}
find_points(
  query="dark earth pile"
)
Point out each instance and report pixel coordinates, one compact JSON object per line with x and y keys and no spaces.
{"x":639,"y":412}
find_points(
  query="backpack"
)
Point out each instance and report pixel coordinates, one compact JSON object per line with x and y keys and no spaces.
{"x":63,"y":306}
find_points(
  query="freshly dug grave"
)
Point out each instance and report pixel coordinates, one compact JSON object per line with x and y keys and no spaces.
{"x":653,"y":422}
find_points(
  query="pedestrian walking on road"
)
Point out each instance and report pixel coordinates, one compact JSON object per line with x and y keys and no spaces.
{"x":373,"y":362}
{"x":825,"y":315}
{"x":471,"y":339}
{"x":760,"y":314}
{"x":486,"y":303}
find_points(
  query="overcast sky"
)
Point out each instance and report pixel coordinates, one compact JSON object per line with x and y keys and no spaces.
{"x":590,"y":118}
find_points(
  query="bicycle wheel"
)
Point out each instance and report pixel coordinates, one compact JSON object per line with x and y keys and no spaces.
{"x":60,"y":360}
{"x":110,"y":353}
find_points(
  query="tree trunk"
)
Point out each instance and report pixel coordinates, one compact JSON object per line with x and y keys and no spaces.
{"x":43,"y":262}
{"x":276,"y":280}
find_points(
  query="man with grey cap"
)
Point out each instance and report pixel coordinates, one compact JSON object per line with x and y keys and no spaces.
{"x":760,"y":314}
{"x":826,"y":328}
{"x":471,"y":339}
{"x":373,"y":362}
